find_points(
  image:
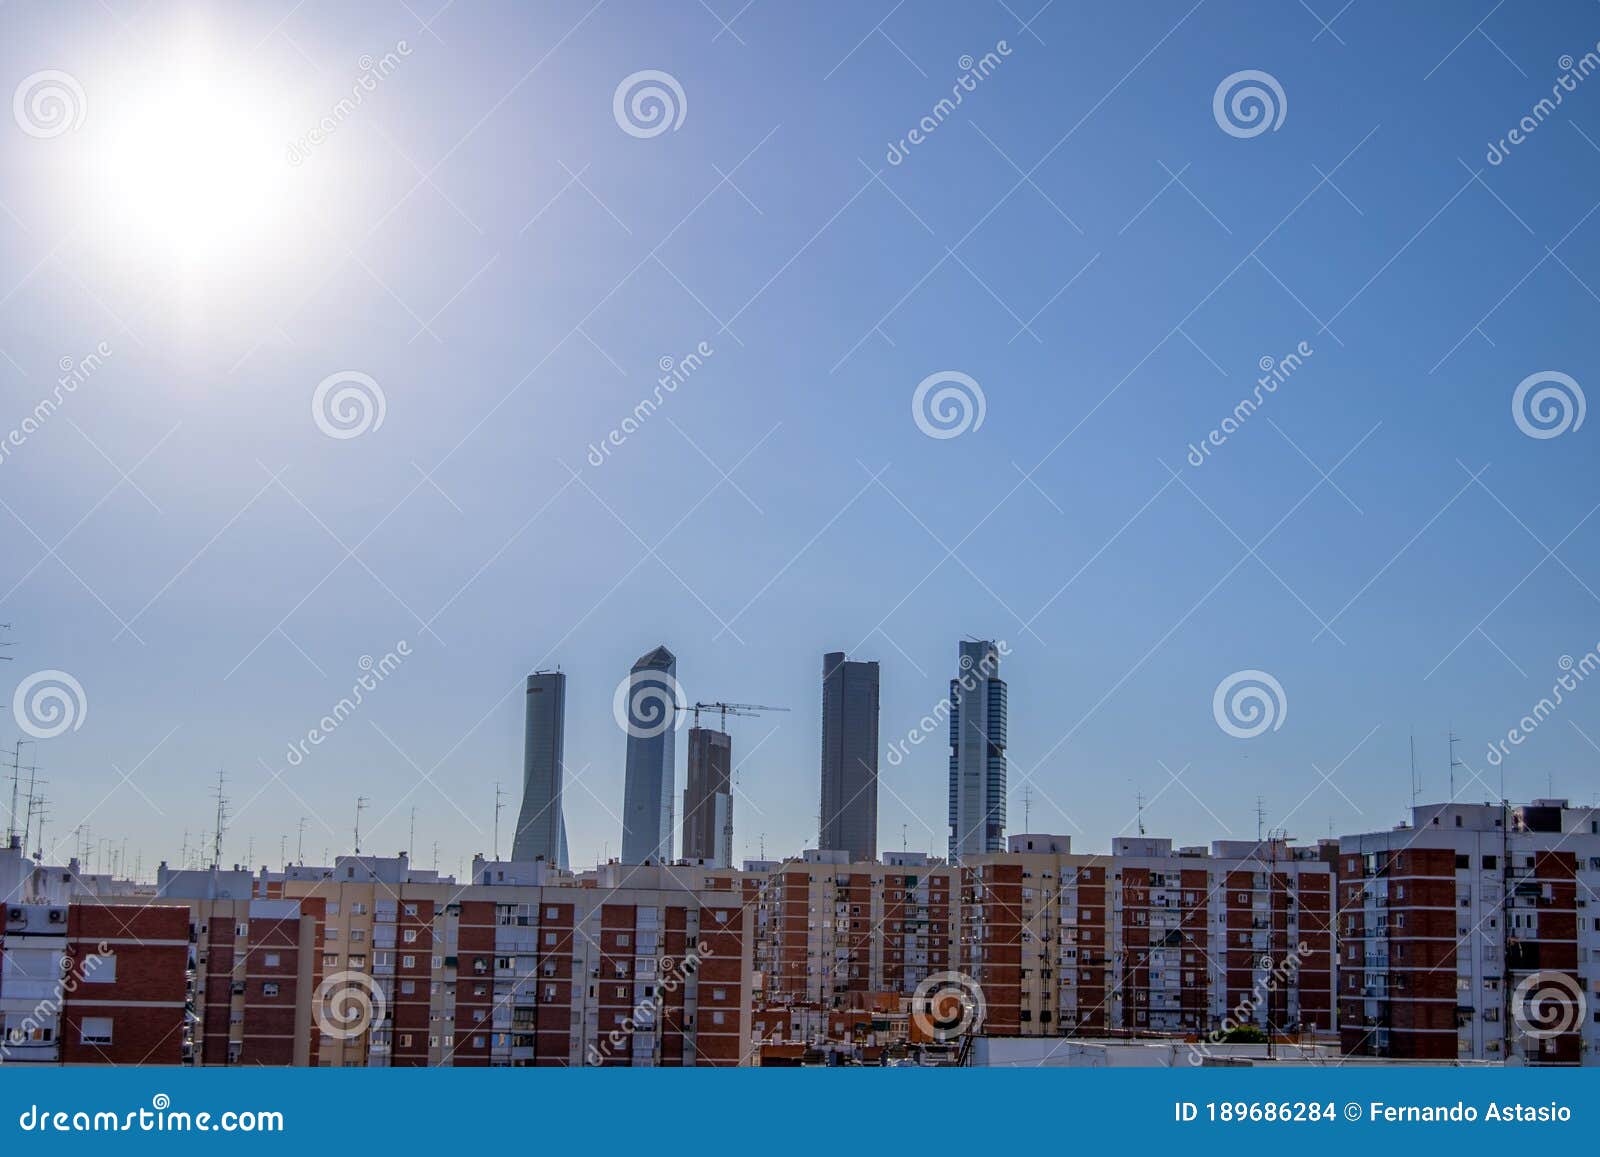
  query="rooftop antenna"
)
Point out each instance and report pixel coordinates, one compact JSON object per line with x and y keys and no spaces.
{"x":222,"y":819}
{"x":435,"y":855}
{"x":903,"y":840}
{"x":1139,"y":801}
{"x":763,"y":845}
{"x":1454,"y":763}
{"x":499,"y":798}
{"x":1261,"y":818}
{"x":1416,"y":784}
{"x":361,"y":806}
{"x":411,"y":843}
{"x":300,"y":844}
{"x":31,"y":806}
{"x":283,"y":850}
{"x":16,"y":783}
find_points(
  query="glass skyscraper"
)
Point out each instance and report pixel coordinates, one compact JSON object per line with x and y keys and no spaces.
{"x":977,"y":752}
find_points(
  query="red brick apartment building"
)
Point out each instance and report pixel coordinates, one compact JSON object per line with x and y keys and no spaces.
{"x":1473,"y":933}
{"x":91,"y":983}
{"x":1145,"y":940}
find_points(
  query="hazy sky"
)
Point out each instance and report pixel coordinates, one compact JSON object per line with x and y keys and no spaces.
{"x":233,"y":215}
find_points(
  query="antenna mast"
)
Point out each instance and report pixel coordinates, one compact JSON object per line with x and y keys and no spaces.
{"x":222,"y":819}
{"x":361,"y":806}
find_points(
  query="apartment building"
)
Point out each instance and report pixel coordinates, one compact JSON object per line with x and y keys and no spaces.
{"x":91,"y":983}
{"x":1149,"y":939}
{"x":1473,"y":933}
{"x":831,"y":932}
{"x":528,"y":965}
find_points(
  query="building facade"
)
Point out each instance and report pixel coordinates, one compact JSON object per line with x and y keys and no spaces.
{"x":541,"y":824}
{"x":1473,"y":933}
{"x":653,"y":706}
{"x":848,"y":820}
{"x":977,"y":752}
{"x":708,"y":798}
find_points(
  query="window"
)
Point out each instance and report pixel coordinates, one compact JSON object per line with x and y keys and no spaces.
{"x":272,"y":960}
{"x":100,"y":969}
{"x":241,"y":929}
{"x":1490,"y":863}
{"x":623,"y":939}
{"x":95,"y":1030}
{"x":552,"y":913}
{"x":477,"y":1042}
{"x":408,"y":962}
{"x":411,"y":936}
{"x":411,"y":909}
{"x":407,"y":987}
{"x":549,"y":937}
{"x":269,"y":989}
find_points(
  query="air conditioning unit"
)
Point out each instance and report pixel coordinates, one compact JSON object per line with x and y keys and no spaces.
{"x":58,"y":915}
{"x":16,"y":915}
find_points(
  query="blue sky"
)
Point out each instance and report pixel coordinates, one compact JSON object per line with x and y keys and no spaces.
{"x":1081,"y":237}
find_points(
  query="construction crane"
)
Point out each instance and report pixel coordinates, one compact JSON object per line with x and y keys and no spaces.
{"x":726,"y":709}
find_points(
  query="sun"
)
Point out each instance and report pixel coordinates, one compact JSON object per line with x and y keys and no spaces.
{"x":191,"y":168}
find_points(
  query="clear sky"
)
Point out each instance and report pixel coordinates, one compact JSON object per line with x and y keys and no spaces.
{"x":480,"y":235}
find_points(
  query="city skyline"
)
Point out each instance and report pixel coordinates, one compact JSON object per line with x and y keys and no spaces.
{"x":600,"y":389}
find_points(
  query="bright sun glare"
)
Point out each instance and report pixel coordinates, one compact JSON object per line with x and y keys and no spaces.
{"x":193,"y":169}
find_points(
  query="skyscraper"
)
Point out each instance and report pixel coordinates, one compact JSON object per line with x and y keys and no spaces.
{"x":541,"y":825}
{"x":977,"y":752}
{"x":708,"y":798}
{"x":649,"y":707}
{"x":849,"y":819}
